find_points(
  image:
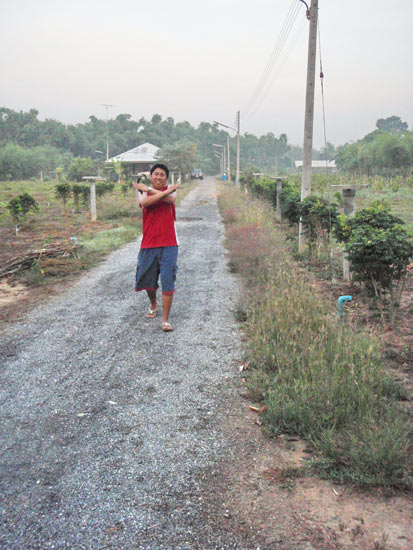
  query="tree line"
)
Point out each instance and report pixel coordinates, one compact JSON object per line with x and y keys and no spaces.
{"x":386,"y":151}
{"x":30,"y":148}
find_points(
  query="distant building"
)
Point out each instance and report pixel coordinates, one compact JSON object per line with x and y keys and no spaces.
{"x":139,"y":159}
{"x":317,"y":166}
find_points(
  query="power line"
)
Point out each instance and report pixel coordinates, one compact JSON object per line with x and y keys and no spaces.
{"x":275,"y":55}
{"x":270,"y":84}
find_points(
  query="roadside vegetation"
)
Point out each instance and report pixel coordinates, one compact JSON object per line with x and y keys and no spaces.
{"x":313,"y":374}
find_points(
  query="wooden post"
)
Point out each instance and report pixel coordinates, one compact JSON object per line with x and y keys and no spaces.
{"x":348,"y":208}
{"x":93,"y":200}
{"x":278,"y":200}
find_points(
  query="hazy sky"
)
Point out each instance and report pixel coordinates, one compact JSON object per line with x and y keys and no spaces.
{"x":202,"y":60}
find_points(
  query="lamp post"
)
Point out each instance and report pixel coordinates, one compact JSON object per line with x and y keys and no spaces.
{"x":237,"y":130}
{"x":221,"y":155}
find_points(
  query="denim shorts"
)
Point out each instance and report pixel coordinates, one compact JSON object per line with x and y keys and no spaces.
{"x":153,"y":262}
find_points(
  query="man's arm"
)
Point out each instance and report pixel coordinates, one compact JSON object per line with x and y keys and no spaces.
{"x":153,"y":195}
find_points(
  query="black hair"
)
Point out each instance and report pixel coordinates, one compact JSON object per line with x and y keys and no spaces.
{"x":162,"y":167}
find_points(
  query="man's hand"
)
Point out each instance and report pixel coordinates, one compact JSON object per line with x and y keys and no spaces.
{"x":173,"y":188}
{"x":141,"y":187}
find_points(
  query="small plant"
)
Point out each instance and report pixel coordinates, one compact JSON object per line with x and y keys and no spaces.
{"x":85,"y":193}
{"x":63,"y":191}
{"x":76,"y":192}
{"x":291,"y":204}
{"x":104,"y":187}
{"x":20,"y":206}
{"x":318,"y":218}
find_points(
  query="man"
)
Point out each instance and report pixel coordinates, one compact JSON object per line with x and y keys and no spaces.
{"x":159,"y":247}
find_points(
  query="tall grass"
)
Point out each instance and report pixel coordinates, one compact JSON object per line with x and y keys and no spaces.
{"x":318,"y":378}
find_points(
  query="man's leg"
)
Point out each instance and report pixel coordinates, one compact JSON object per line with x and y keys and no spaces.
{"x":166,"y":306}
{"x":154,"y":304}
{"x":168,"y":275}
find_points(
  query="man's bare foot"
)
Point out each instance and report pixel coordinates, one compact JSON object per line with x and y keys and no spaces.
{"x":166,"y":326}
{"x":153,"y":310}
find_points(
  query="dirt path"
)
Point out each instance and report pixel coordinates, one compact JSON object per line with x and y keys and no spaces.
{"x":116,"y":435}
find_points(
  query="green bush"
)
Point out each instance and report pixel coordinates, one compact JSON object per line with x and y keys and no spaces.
{"x":291,"y":204}
{"x":104,"y":187}
{"x":318,"y":218}
{"x":63,"y":191}
{"x":77,"y":193}
{"x":85,"y":193}
{"x":379,"y":248}
{"x":20,"y":206}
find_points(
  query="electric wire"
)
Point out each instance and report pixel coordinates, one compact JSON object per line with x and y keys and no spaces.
{"x":270,"y":85}
{"x":325,"y":135}
{"x":275,"y":55}
{"x":267,"y":67}
{"x":282,"y":38}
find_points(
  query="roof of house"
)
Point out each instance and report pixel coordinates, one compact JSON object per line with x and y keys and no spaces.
{"x":316,"y":163}
{"x":143,"y":153}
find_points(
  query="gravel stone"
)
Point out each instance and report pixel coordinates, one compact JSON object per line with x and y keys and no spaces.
{"x":110,"y":428}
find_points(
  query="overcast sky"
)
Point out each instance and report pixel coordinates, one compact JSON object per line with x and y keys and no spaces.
{"x":201,"y":60}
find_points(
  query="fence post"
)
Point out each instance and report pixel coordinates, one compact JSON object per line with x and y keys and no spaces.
{"x":93,"y":200}
{"x":278,"y":214}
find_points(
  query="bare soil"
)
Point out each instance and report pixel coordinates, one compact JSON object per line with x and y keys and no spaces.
{"x":266,"y":498}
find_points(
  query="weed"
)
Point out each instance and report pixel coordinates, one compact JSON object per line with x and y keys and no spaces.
{"x":320,"y":379}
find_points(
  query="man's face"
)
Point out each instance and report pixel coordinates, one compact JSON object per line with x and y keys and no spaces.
{"x":159,"y":179}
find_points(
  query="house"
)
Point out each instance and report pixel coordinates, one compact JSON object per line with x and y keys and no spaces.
{"x":139,"y":159}
{"x":317,"y":166}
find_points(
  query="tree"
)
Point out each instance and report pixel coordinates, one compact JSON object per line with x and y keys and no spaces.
{"x":81,"y":167}
{"x":180,"y":157}
{"x":392,"y":124}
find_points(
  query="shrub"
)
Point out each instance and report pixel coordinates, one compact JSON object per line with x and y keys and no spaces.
{"x":318,"y":218}
{"x":77,"y":192}
{"x":379,"y":249}
{"x":291,"y":204}
{"x":63,"y":191}
{"x":85,"y":193}
{"x":20,"y":206}
{"x":104,"y":187}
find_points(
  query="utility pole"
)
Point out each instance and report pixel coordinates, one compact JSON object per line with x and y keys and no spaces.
{"x":228,"y":161}
{"x":309,"y":110}
{"x":237,"y":125}
{"x":107,"y":105}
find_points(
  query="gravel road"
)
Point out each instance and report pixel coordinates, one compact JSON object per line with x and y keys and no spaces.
{"x":110,"y":428}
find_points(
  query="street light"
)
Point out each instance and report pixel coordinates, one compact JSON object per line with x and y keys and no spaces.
{"x":222,"y":156}
{"x":238,"y":147}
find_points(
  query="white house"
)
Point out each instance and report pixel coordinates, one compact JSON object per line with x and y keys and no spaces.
{"x":139,"y":159}
{"x":317,"y":165}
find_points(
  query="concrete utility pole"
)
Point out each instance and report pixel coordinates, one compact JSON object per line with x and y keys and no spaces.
{"x":228,"y":161}
{"x":309,"y":111}
{"x":107,"y":105}
{"x":238,"y":124}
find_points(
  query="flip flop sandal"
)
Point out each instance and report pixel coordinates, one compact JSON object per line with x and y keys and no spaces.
{"x":152,"y":313}
{"x":166,"y":327}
